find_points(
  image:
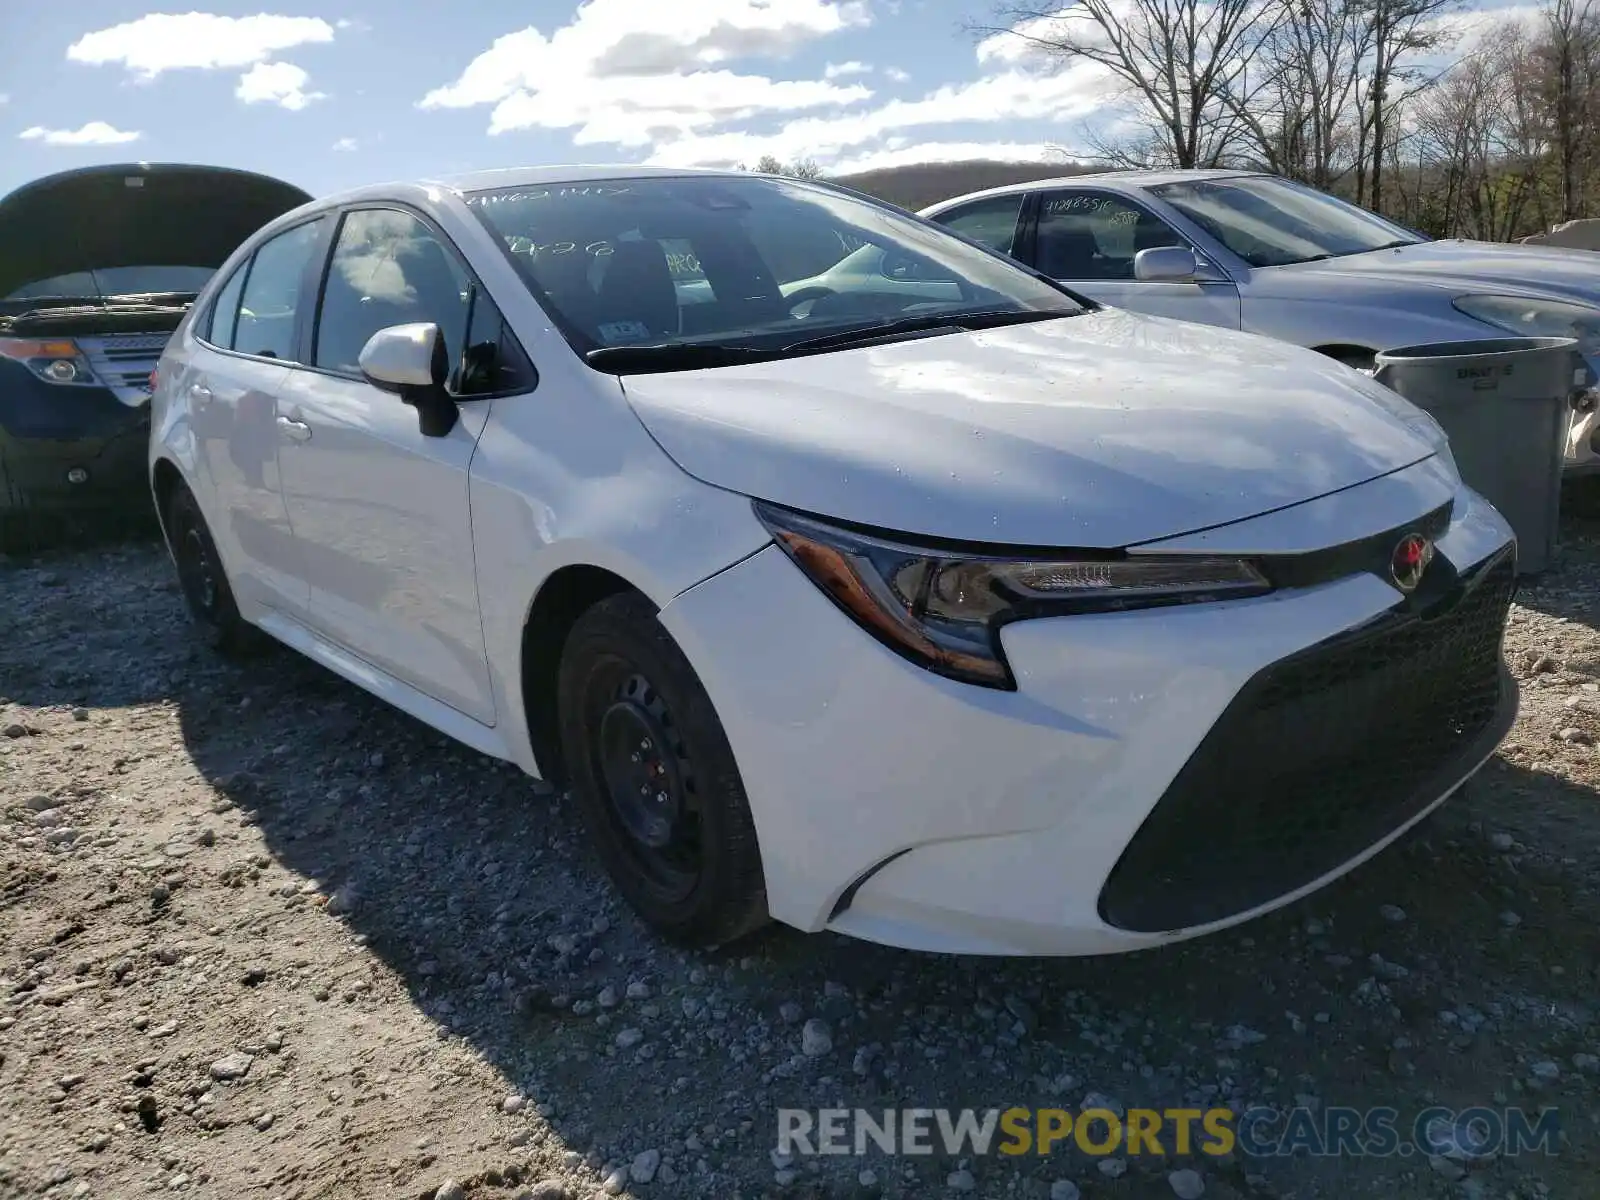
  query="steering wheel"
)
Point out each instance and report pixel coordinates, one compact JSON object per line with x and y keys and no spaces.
{"x":799,"y":296}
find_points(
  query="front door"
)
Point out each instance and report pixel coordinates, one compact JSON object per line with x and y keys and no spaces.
{"x":1088,"y":241}
{"x":380,"y":511}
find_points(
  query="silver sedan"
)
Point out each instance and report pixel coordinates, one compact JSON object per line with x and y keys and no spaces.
{"x":1257,"y":252}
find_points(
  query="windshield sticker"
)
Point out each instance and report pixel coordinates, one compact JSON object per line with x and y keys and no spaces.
{"x":615,"y":333}
{"x":547,"y":193}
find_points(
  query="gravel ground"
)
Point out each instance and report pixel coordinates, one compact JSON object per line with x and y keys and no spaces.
{"x":266,"y":938}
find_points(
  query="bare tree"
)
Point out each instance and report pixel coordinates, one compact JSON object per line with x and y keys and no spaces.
{"x":1570,"y":57}
{"x":1401,"y":31}
{"x":1318,"y":49}
{"x":801,"y":168}
{"x":1190,"y":66}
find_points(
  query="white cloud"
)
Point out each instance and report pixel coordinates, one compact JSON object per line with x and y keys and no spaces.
{"x":853,"y":67}
{"x":4,"y":99}
{"x":280,"y":83}
{"x":628,"y":75}
{"x":346,"y":144}
{"x":94,"y":133}
{"x":896,"y":75}
{"x":173,"y":41}
{"x":1010,"y":96}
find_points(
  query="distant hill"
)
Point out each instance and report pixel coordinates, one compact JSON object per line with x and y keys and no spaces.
{"x":921,"y":184}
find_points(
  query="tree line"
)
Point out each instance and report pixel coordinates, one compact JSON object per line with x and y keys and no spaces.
{"x":1381,"y":101}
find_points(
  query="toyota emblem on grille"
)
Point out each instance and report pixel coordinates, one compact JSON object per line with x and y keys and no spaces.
{"x":1409,"y":560}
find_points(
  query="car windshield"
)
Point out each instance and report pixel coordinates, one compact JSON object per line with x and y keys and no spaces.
{"x":1271,"y":222}
{"x":115,"y":281}
{"x":757,"y":264}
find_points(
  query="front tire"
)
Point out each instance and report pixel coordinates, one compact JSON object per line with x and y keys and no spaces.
{"x":655,"y":778}
{"x":206,"y":591}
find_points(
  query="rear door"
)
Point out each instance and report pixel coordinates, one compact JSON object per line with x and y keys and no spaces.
{"x":380,"y":510}
{"x":249,"y":337}
{"x":1088,"y":239}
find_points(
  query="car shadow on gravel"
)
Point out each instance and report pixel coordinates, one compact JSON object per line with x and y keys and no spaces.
{"x":475,"y":889}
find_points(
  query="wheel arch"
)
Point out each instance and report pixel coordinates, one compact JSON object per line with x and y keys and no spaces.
{"x":1347,"y":352}
{"x":564,"y":596}
{"x":165,"y":480}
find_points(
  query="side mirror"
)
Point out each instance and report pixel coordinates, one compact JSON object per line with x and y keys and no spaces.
{"x":1166,"y":264}
{"x":412,"y":361}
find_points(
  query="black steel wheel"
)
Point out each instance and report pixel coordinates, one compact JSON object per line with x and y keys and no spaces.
{"x":206,"y":591}
{"x":655,"y":778}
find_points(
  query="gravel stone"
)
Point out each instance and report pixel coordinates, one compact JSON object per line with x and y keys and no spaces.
{"x":1064,"y":1189}
{"x":231,"y":1066}
{"x":961,"y":1181}
{"x":1112,"y":1168}
{"x":815,"y":1039}
{"x":1186,"y":1184}
{"x":645,"y":1165}
{"x":1392,"y":913}
{"x":450,"y":1190}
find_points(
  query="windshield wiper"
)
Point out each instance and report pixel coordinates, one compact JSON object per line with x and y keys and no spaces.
{"x":964,"y":321}
{"x":691,"y":356}
{"x":674,"y":356}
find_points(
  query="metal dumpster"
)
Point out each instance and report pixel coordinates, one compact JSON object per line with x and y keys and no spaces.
{"x":1504,"y":402}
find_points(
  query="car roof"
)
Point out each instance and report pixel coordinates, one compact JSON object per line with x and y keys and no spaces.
{"x":1128,"y":179}
{"x":516,"y":177}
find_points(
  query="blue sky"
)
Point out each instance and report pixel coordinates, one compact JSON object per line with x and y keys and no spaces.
{"x":329,"y":95}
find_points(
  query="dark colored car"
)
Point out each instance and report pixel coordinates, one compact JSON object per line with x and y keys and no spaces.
{"x":97,"y":267}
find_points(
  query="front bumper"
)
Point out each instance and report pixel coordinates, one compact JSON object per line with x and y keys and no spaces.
{"x":68,"y":449}
{"x":900,"y":807}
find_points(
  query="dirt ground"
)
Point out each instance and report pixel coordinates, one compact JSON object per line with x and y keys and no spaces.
{"x":265,"y":938}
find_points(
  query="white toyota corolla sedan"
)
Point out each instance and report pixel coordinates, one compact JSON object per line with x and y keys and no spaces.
{"x":964,"y":616}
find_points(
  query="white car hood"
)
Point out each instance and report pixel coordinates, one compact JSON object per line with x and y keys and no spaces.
{"x":1102,"y":430}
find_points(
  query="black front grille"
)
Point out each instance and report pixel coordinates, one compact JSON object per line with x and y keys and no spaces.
{"x":1321,"y":755}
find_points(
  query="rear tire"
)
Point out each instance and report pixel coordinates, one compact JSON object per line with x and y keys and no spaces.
{"x":206,"y":591}
{"x":655,"y":778}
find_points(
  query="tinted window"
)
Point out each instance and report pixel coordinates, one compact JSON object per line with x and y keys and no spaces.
{"x":225,"y":310}
{"x":1087,"y":236}
{"x":717,"y":259}
{"x":992,"y":222}
{"x":388,"y":268}
{"x":271,"y":299}
{"x":493,"y":360}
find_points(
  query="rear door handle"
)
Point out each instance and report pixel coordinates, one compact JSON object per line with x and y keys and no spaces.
{"x":295,"y":431}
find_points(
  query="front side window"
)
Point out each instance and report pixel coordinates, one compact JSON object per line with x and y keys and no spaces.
{"x":493,"y":361}
{"x":1271,"y":222}
{"x":388,"y":268}
{"x":1091,"y":235}
{"x":755,"y":263}
{"x":992,"y":222}
{"x":270,"y":305}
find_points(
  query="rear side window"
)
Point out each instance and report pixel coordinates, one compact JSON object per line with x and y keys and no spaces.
{"x":388,"y":268}
{"x":225,"y":310}
{"x":992,"y":222}
{"x":272,"y":289}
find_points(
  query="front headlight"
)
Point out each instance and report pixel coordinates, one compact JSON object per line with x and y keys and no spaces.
{"x":1536,"y":318}
{"x":54,"y":360}
{"x":943,"y":609}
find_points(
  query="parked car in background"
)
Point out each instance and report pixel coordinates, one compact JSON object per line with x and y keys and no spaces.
{"x":992,"y":622}
{"x":1256,"y":252}
{"x":97,"y":267}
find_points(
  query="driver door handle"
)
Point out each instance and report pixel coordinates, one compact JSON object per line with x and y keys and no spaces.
{"x":200,"y":394}
{"x":295,"y":431}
